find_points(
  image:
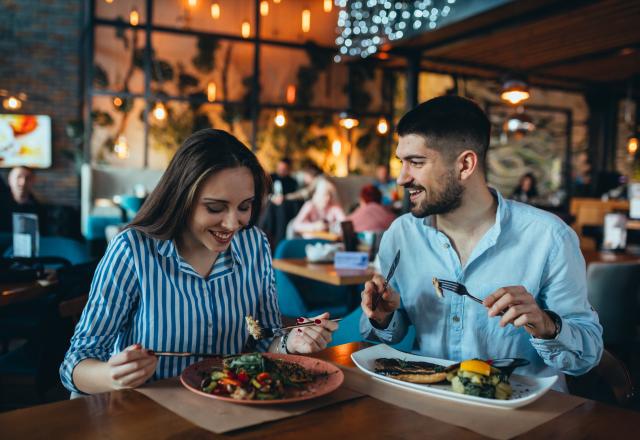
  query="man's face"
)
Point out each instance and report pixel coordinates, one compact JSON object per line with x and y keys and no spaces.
{"x":282,"y":169}
{"x":432,"y":183}
{"x":381,"y":173}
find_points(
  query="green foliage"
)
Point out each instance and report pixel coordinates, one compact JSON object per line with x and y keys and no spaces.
{"x":204,"y":61}
{"x":103,"y":119}
{"x":100,"y":77}
{"x":161,"y":71}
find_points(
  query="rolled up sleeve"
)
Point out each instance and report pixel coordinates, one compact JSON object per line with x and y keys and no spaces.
{"x":578,"y":347}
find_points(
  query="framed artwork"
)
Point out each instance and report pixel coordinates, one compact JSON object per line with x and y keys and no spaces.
{"x":25,"y":140}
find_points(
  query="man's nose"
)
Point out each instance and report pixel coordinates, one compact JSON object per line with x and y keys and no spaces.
{"x":403,"y":177}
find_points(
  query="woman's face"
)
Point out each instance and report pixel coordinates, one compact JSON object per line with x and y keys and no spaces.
{"x":222,"y":207}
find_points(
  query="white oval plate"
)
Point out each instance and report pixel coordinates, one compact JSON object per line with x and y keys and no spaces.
{"x":526,"y":389}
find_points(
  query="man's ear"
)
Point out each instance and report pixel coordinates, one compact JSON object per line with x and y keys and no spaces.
{"x":467,"y":164}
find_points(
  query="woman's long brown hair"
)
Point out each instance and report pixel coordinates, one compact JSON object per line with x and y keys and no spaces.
{"x":166,"y":211}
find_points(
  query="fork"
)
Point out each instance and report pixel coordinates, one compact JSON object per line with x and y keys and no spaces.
{"x":461,"y":290}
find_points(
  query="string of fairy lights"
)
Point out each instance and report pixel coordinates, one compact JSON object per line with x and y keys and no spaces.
{"x":365,"y":25}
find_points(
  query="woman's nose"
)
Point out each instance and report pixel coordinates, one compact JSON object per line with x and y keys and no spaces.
{"x":231,"y":221}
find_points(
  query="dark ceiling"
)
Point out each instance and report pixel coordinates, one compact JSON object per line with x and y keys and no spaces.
{"x":570,"y":44}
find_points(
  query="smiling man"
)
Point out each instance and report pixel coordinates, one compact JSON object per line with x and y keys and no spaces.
{"x":524,"y":263}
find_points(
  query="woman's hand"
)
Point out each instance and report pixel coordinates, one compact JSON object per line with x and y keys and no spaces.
{"x":312,"y":338}
{"x":131,"y":367}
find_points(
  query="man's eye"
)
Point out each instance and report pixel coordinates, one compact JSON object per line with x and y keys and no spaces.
{"x":416,"y":163}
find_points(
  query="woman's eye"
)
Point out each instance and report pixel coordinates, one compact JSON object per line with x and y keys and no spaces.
{"x":214,"y":210}
{"x":244,"y":208}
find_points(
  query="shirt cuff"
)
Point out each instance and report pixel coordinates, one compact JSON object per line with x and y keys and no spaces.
{"x":386,"y":334}
{"x":561,"y":342}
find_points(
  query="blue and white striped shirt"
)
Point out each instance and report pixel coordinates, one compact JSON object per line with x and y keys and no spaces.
{"x":144,"y":292}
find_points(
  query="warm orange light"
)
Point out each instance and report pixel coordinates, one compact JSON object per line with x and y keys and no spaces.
{"x":280,"y":119}
{"x":291,"y":94}
{"x":160,"y":111}
{"x":383,"y":56}
{"x":211,"y":91}
{"x":264,"y":8}
{"x":246,"y":29}
{"x":134,"y":17}
{"x":328,"y":5}
{"x":306,"y":20}
{"x":515,"y":97}
{"x":215,"y":11}
{"x":277,"y":1}
{"x":383,"y":126}
{"x":632,"y":145}
{"x":117,"y":101}
{"x":108,"y":1}
{"x":121,"y":147}
{"x":12,"y":103}
{"x":336,"y":147}
{"x":348,"y":121}
{"x":192,"y":3}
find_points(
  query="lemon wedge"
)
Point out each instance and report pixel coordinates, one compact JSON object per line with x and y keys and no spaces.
{"x":476,"y":366}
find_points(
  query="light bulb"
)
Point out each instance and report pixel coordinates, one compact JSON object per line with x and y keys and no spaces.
{"x":514,"y":97}
{"x":632,"y":145}
{"x":246,"y":29}
{"x":159,"y":111}
{"x":383,"y":126}
{"x":336,"y":147}
{"x":280,"y":119}
{"x":291,"y":94}
{"x":12,"y":103}
{"x":121,"y":147}
{"x":192,"y":3}
{"x":328,"y":5}
{"x":264,"y":8}
{"x":215,"y":11}
{"x":306,"y":20}
{"x":134,"y":17}
{"x":117,"y":101}
{"x":211,"y":91}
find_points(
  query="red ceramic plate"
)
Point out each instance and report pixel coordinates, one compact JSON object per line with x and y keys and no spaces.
{"x":192,"y":376}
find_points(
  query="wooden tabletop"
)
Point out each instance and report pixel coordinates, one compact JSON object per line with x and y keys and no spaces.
{"x":130,"y":415}
{"x":11,"y":293}
{"x":609,"y":257}
{"x":324,"y":272}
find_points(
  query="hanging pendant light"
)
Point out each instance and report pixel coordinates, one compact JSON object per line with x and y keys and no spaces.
{"x":246,"y":29}
{"x":348,"y":120}
{"x":336,"y":147}
{"x":291,"y":94}
{"x":632,"y":144}
{"x":264,"y":8}
{"x":215,"y":10}
{"x":160,"y":111}
{"x":383,"y":126}
{"x":134,"y":17}
{"x":515,"y":90}
{"x":519,"y":123}
{"x":280,"y":119}
{"x":121,"y":147}
{"x":12,"y":103}
{"x":328,"y":5}
{"x":211,"y":91}
{"x":306,"y":20}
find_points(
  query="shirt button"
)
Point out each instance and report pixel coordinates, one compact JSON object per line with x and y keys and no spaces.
{"x":445,"y":245}
{"x":456,"y":319}
{"x":210,"y":325}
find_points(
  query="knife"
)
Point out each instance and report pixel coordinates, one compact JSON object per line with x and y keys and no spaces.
{"x":392,"y":270}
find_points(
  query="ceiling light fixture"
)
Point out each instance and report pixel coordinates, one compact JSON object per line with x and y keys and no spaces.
{"x":515,"y":90}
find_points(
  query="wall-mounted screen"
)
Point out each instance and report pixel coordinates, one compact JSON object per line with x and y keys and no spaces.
{"x":25,"y":140}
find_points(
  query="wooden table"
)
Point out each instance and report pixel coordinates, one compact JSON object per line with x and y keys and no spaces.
{"x":130,"y":415}
{"x":324,"y":272}
{"x":609,"y":257}
{"x":11,"y":293}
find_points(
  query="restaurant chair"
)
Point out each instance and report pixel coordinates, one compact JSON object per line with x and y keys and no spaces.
{"x":349,"y":331}
{"x":299,"y":296}
{"x":613,"y":290}
{"x":609,"y":382}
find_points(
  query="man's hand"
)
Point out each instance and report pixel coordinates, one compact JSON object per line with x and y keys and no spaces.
{"x":388,"y":302}
{"x":520,"y":308}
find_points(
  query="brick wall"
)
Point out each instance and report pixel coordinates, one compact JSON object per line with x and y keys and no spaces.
{"x":39,"y":47}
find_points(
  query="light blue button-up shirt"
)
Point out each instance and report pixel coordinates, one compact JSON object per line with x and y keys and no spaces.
{"x":526,"y":246}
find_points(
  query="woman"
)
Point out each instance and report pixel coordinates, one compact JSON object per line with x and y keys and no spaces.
{"x":527,"y":188}
{"x":183,"y":275}
{"x":322,"y":213}
{"x":370,"y":215}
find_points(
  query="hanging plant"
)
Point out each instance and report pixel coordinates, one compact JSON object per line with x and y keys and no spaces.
{"x":204,"y":61}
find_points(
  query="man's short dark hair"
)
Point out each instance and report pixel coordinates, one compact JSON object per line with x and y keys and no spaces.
{"x":286,"y":160}
{"x":450,"y":125}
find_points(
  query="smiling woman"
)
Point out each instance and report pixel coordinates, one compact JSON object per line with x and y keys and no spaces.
{"x":183,"y":275}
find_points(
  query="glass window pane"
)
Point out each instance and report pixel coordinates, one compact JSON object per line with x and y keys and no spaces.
{"x":121,"y":10}
{"x":118,"y":59}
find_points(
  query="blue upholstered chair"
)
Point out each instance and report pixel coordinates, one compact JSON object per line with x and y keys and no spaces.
{"x":349,"y":331}
{"x":74,"y":251}
{"x":299,"y":296}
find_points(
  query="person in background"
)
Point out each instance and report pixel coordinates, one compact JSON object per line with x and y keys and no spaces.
{"x":370,"y":215}
{"x":183,"y":276}
{"x":311,"y":176}
{"x":523,"y":263}
{"x":287,"y":184}
{"x":527,"y":189}
{"x":20,"y":199}
{"x":386,"y":184}
{"x":322,"y":213}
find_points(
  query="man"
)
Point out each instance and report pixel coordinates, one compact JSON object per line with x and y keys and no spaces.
{"x":521,"y":261}
{"x":386,"y":184}
{"x":20,"y":198}
{"x":283,"y":175}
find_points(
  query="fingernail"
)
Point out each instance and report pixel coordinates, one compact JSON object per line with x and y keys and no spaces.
{"x":299,"y":330}
{"x":151,"y":352}
{"x":317,"y":321}
{"x":299,"y":320}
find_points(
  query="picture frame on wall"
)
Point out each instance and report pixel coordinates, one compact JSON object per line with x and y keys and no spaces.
{"x":25,"y":140}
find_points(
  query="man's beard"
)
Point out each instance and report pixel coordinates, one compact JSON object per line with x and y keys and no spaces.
{"x":439,"y":203}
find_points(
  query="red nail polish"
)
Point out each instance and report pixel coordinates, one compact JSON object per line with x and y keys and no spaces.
{"x":317,"y":321}
{"x":299,"y":330}
{"x":300,"y":320}
{"x":151,"y":352}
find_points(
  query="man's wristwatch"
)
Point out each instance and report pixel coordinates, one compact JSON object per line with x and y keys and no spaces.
{"x":557,"y":321}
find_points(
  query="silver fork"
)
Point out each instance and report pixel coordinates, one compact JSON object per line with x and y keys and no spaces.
{"x":461,"y":290}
